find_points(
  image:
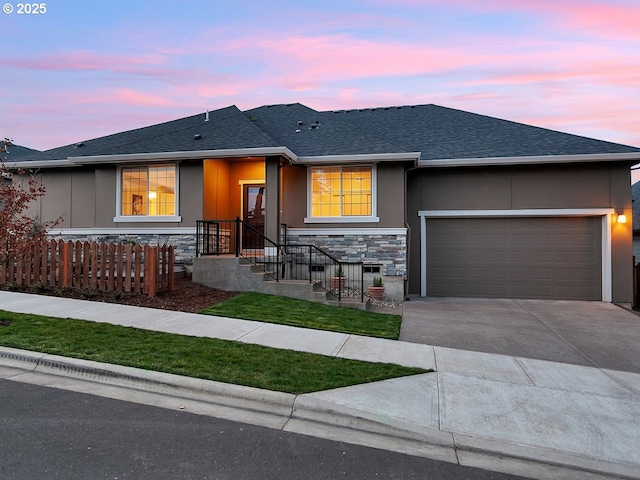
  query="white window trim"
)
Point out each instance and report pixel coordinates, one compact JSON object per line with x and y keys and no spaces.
{"x":119,"y":218}
{"x":373,"y":218}
{"x":604,"y":213}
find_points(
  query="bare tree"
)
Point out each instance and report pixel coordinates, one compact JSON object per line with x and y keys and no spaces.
{"x":18,"y":189}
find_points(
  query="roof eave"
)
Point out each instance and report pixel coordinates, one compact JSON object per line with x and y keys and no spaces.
{"x":186,"y":155}
{"x":632,"y":157}
{"x":38,"y":164}
{"x":158,"y":157}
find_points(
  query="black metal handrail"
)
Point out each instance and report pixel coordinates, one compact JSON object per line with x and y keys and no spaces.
{"x":260,"y":251}
{"x":281,"y":261}
{"x":309,"y":262}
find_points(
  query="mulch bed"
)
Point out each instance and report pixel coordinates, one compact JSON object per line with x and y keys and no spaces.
{"x":186,"y":296}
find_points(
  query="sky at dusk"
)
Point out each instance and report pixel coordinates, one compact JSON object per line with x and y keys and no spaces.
{"x":84,"y":69}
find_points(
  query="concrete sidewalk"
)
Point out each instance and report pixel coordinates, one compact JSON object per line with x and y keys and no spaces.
{"x":528,"y":417}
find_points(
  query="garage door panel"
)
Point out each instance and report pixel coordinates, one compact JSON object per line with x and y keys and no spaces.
{"x":489,"y":240}
{"x":573,"y":257}
{"x":515,"y":257}
{"x":525,"y":256}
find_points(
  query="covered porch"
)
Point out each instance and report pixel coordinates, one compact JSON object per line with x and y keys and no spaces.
{"x":241,"y":219}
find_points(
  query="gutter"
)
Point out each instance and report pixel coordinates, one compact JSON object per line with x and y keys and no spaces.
{"x":633,"y":157}
{"x":41,"y":164}
{"x":185,"y":155}
{"x":158,"y":157}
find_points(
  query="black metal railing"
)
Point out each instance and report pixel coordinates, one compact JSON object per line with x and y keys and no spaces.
{"x":260,"y":251}
{"x":281,"y":261}
{"x":216,"y":237}
{"x":339,"y":278}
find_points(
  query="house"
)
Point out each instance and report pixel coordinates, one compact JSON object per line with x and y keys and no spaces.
{"x":440,"y":202}
{"x":635,"y":198}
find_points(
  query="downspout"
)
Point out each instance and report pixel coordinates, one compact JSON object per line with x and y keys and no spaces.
{"x":408,"y":227}
{"x":285,"y":163}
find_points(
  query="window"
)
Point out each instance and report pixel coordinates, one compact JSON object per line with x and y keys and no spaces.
{"x":342,"y":192}
{"x":148,"y":192}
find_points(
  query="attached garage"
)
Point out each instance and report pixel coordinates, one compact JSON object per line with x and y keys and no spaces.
{"x":510,"y":256}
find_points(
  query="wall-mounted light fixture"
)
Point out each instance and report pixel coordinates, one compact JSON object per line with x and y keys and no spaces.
{"x":621,"y":218}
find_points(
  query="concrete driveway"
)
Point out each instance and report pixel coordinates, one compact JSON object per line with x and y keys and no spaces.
{"x":582,"y":333}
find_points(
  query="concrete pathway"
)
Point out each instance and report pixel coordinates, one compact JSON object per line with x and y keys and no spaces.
{"x":518,"y":415}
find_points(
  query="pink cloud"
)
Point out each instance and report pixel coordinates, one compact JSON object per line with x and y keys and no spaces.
{"x":618,"y":74}
{"x":137,"y":98}
{"x":614,"y":18}
{"x":89,"y":61}
{"x":609,"y":18}
{"x":342,"y":56}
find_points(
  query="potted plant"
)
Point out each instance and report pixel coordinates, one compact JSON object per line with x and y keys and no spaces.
{"x":377,"y":289}
{"x":338,"y":279}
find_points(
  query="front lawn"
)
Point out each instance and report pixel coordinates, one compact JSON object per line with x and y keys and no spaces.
{"x":211,"y":359}
{"x":300,"y":313}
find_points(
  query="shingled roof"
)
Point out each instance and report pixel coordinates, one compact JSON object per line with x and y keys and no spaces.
{"x":17,"y":152}
{"x":437,"y":133}
{"x":445,"y":133}
{"x":225,"y":128}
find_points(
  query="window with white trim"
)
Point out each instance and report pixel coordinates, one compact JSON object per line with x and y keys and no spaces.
{"x":148,"y":192}
{"x":342,"y":191}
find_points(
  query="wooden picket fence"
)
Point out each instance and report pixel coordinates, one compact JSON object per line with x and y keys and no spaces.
{"x":110,"y":267}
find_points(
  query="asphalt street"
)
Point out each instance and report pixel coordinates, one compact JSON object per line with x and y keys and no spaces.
{"x":48,"y":433}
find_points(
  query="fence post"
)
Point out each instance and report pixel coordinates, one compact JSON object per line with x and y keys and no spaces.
{"x":136,"y":279}
{"x":171,"y":284}
{"x":28,"y":262}
{"x":66,"y":260}
{"x":19,"y":270}
{"x":54,"y":263}
{"x":151,"y":270}
{"x":94,"y":265}
{"x":127,"y":267}
{"x":85,"y":264}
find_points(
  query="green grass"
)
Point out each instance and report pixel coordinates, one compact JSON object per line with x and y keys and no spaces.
{"x":212,"y":359}
{"x":300,"y":313}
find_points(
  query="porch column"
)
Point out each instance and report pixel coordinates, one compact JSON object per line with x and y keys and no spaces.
{"x":272,"y":208}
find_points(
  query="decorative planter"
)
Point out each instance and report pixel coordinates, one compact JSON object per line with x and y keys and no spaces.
{"x":376,"y":292}
{"x":338,"y":283}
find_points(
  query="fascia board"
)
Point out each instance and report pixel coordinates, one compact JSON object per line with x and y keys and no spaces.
{"x":185,"y":155}
{"x":360,"y":158}
{"x":586,"y":158}
{"x":40,"y":164}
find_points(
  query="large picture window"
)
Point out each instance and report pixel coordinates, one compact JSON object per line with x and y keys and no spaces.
{"x":342,"y":191}
{"x":148,"y":191}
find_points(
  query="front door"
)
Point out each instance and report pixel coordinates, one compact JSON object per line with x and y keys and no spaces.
{"x":253,"y":208}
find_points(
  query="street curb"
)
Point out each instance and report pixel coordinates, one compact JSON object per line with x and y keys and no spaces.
{"x":301,"y":414}
{"x":223,"y":400}
{"x":312,"y":416}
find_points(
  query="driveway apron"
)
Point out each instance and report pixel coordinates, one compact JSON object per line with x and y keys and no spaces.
{"x":595,"y":334}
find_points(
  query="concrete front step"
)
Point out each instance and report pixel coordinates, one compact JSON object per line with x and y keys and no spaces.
{"x":236,"y":274}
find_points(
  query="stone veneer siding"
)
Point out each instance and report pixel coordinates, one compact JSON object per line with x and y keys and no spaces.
{"x":389,"y":251}
{"x":184,"y":244}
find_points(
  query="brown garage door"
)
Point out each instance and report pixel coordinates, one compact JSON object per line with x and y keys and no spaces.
{"x":551,"y":258}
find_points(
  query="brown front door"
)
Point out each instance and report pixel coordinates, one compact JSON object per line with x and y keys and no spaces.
{"x":253,"y":208}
